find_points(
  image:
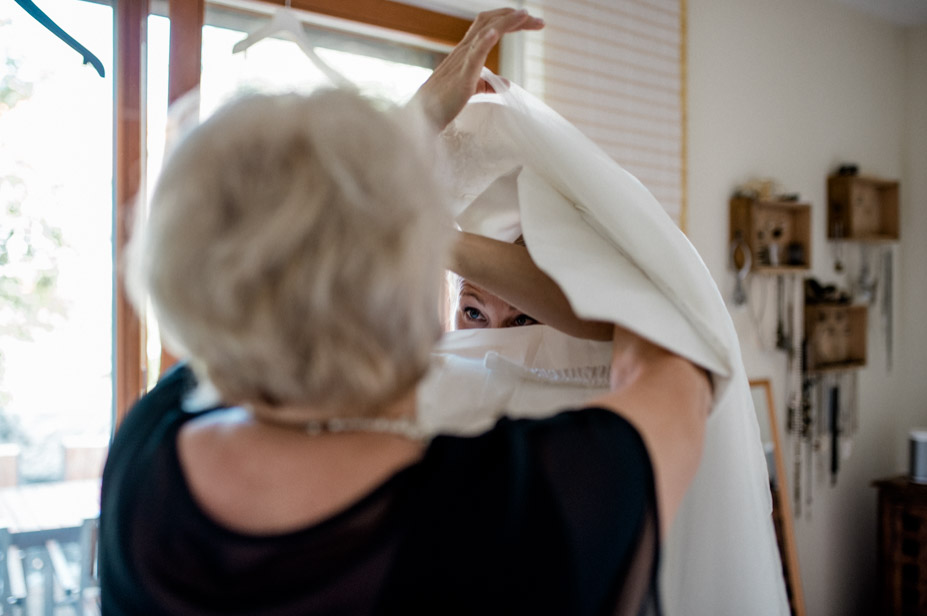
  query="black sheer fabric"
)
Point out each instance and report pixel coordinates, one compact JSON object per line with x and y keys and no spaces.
{"x":552,"y":516}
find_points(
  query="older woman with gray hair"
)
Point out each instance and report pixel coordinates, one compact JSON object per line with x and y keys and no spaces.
{"x":294,"y":253}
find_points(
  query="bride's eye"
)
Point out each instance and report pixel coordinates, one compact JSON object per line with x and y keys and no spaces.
{"x":523,"y":319}
{"x":473,"y":314}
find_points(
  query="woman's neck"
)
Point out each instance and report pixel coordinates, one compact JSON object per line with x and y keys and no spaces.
{"x":299,"y":415}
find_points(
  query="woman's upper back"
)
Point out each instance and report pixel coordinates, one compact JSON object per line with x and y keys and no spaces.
{"x":263,"y":479}
{"x":553,"y":516}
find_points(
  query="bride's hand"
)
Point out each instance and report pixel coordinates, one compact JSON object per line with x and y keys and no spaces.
{"x":457,"y":78}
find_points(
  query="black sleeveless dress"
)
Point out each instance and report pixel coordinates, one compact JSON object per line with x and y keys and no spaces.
{"x":554,"y":516}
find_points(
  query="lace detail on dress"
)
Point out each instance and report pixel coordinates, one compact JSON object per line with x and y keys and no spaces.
{"x":579,"y":376}
{"x":472,"y":163}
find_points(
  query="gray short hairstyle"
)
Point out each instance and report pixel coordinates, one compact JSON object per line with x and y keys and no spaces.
{"x":295,"y":249}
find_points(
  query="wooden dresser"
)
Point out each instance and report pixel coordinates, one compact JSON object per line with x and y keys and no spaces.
{"x":902,"y":547}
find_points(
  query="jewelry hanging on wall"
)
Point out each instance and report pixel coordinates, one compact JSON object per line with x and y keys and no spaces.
{"x":854,"y":402}
{"x":847,"y":420}
{"x":796,"y":357}
{"x":888,"y":303}
{"x":833,"y":412}
{"x":837,"y":246}
{"x":874,"y":284}
{"x":834,"y":422}
{"x":795,"y":431}
{"x":757,"y":297}
{"x":739,"y":247}
{"x":870,"y":276}
{"x":781,"y":341}
{"x":866,"y":283}
{"x":822,"y":431}
{"x":808,"y":424}
{"x":825,"y":419}
{"x":807,"y":431}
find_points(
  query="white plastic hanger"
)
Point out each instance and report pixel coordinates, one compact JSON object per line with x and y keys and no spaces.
{"x":285,"y":22}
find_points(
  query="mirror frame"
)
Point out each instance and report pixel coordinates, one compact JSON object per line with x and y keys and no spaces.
{"x":787,"y":547}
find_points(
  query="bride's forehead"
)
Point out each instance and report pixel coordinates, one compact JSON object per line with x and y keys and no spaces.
{"x":465,"y":286}
{"x":489,"y":300}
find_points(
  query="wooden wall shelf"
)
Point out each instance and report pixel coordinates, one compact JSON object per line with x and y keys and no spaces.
{"x":862,"y":209}
{"x":777,"y":233}
{"x":835,"y":335}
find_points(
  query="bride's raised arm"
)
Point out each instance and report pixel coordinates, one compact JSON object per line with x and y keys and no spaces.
{"x":506,"y":270}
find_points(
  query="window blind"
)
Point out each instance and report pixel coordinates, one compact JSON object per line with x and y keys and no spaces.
{"x":616,"y":69}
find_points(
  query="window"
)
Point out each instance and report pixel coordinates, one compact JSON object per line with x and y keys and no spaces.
{"x":56,"y":265}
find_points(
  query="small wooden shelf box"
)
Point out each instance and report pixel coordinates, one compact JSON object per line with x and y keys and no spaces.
{"x":836,"y":336}
{"x":862,"y":209}
{"x":777,"y":234}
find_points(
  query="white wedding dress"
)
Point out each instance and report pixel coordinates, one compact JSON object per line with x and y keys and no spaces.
{"x":517,"y":167}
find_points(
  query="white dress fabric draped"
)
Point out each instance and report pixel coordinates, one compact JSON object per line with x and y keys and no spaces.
{"x":517,"y":167}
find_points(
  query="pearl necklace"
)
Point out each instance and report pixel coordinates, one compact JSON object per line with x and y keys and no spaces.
{"x":408,"y":428}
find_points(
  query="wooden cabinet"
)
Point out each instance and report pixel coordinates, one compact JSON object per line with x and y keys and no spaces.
{"x":862,"y":208}
{"x":777,"y":234}
{"x":902,"y":547}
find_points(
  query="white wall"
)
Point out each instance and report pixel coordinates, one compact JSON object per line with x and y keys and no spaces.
{"x":788,"y":90}
{"x":911,"y":397}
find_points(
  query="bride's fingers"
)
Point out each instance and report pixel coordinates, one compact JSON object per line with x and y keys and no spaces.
{"x":488,"y":28}
{"x":503,"y":21}
{"x":486,"y":18}
{"x":518,"y":20}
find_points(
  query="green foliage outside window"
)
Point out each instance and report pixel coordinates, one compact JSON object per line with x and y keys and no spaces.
{"x":29,"y":251}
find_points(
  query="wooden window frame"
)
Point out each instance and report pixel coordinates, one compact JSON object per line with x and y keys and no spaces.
{"x":187,"y":18}
{"x":128,"y":143}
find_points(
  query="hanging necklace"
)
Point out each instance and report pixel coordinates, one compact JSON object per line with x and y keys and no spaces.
{"x":406,"y":427}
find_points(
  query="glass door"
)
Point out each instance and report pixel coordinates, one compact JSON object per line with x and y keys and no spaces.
{"x":56,"y":248}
